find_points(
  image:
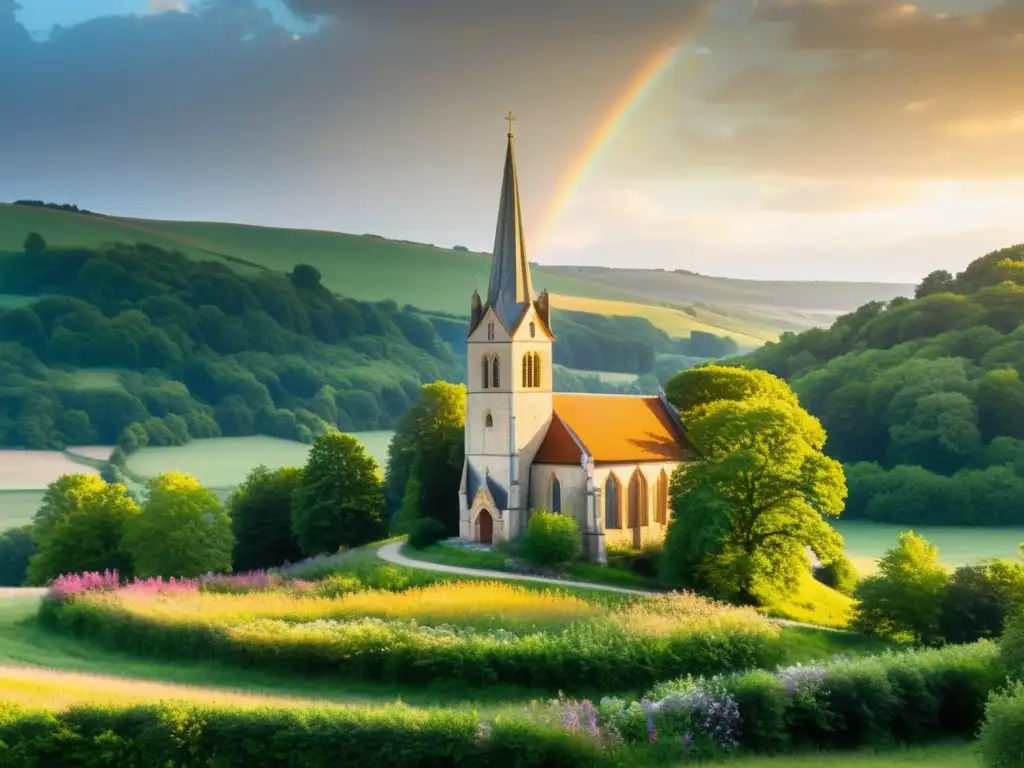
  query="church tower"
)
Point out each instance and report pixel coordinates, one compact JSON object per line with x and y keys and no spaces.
{"x":509,"y":381}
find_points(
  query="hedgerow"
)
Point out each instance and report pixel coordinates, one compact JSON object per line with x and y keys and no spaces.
{"x":468,"y":633}
{"x":178,"y":734}
{"x":1002,"y":735}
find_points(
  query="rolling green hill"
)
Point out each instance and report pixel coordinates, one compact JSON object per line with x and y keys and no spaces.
{"x":372,"y":268}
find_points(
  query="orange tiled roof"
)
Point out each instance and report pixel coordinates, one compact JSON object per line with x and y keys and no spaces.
{"x":612,"y":428}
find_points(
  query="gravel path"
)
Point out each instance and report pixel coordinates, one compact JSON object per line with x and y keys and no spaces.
{"x":392,"y":553}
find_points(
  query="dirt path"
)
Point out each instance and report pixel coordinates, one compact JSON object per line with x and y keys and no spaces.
{"x":22,"y":592}
{"x":392,"y":553}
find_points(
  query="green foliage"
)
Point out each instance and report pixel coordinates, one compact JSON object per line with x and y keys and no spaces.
{"x":839,"y":574}
{"x":340,"y":502}
{"x":16,"y":549}
{"x":979,"y":598}
{"x":178,"y":733}
{"x":551,"y":539}
{"x":929,"y":391}
{"x":261,"y":518}
{"x":200,"y":350}
{"x":34,"y":244}
{"x":426,"y":531}
{"x":744,"y":516}
{"x":906,"y":595}
{"x":1002,"y":734}
{"x":183,"y":531}
{"x":79,"y":527}
{"x":1011,"y":646}
{"x":426,"y":456}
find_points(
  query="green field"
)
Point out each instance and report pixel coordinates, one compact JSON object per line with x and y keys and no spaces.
{"x":866,"y":542}
{"x":372,"y":268}
{"x":225,"y":461}
{"x":18,"y":507}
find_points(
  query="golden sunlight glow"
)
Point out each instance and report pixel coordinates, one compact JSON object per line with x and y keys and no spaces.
{"x":985,"y":128}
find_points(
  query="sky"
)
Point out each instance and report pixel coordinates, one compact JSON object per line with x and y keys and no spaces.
{"x":796,"y":139}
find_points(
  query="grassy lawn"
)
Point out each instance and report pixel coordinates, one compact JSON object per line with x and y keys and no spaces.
{"x":814,"y":603}
{"x":17,"y":507}
{"x":955,"y":755}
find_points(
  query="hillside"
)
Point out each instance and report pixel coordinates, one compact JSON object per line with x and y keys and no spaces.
{"x":371,"y":268}
{"x":922,"y":398}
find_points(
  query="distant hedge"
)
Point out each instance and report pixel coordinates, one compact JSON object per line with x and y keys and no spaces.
{"x":178,"y":734}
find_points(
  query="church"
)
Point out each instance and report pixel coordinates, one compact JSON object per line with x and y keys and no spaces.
{"x":604,"y":459}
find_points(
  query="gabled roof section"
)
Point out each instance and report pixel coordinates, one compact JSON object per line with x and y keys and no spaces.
{"x":511,"y":288}
{"x":614,"y":429}
{"x":474,"y":482}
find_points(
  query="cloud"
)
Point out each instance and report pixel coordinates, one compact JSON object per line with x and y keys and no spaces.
{"x":874,"y":88}
{"x":168,"y":6}
{"x":831,"y":196}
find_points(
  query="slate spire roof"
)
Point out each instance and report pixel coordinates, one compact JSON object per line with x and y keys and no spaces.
{"x":511,"y":289}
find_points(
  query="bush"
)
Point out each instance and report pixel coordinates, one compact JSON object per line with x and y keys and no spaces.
{"x":1002,"y":734}
{"x":261,"y":518}
{"x":551,"y":539}
{"x":426,"y":532}
{"x":979,"y":599}
{"x":173,"y":733}
{"x":840,"y":575}
{"x":1011,"y":647}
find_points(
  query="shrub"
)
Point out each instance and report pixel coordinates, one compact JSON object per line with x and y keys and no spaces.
{"x":552,"y":539}
{"x":261,"y":518}
{"x":1002,"y":734}
{"x":425,"y":532}
{"x":184,"y":734}
{"x":1011,"y":647}
{"x":840,"y":575}
{"x":979,"y":599}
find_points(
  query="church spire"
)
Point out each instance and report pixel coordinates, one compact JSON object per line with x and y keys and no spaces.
{"x":511,"y":289}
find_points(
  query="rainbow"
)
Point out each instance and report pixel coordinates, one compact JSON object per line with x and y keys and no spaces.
{"x":614,"y":119}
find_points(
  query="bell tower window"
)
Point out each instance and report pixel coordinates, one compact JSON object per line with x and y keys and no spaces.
{"x":490,"y":331}
{"x":533,"y":330}
{"x":489,"y":420}
{"x":495,"y":372}
{"x":531,"y":370}
{"x":486,"y":372}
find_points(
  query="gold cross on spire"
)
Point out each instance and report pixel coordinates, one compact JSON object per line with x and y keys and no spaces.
{"x":510,"y":118}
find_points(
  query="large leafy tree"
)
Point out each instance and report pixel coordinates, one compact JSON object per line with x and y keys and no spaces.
{"x":425,"y":458}
{"x":79,"y":527}
{"x":261,"y":517}
{"x":905,"y":597}
{"x":16,"y":549}
{"x":183,"y":530}
{"x":340,"y":502}
{"x":745,"y":515}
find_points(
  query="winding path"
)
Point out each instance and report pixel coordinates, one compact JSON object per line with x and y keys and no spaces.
{"x":392,"y":553}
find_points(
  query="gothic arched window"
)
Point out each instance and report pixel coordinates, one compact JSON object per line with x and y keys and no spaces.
{"x":490,"y":331}
{"x":489,"y":420}
{"x":533,"y":330}
{"x":527,"y":372}
{"x":486,"y":372}
{"x":661,"y":498}
{"x":611,"y":503}
{"x":536,"y":370}
{"x":556,"y":495}
{"x":495,"y":372}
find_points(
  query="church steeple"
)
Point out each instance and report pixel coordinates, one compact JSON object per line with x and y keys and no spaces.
{"x":511,"y":289}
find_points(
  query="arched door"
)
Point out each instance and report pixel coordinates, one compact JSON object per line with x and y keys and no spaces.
{"x":485,"y":527}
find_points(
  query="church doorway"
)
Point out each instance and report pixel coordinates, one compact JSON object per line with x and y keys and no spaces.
{"x":485,"y":527}
{"x":637,"y":507}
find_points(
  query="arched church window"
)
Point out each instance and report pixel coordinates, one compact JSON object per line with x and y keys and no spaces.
{"x":527,"y":370}
{"x":495,"y":372}
{"x":533,"y":330}
{"x":536,"y":370}
{"x":611,"y":503}
{"x":556,"y":495}
{"x":489,"y":420}
{"x":486,"y":372}
{"x":661,"y":498}
{"x":490,"y":331}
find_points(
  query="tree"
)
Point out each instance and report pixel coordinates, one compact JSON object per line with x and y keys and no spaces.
{"x":340,"y":502}
{"x":904,"y":598}
{"x":261,"y":517}
{"x":939,"y":281}
{"x":429,"y":446}
{"x":979,"y":599}
{"x":34,"y":244}
{"x":745,"y":515}
{"x":183,"y":530}
{"x":79,"y":526}
{"x":16,"y":549}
